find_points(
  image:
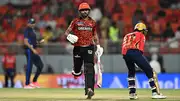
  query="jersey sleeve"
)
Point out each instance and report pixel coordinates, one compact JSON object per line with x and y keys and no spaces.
{"x":71,"y":27}
{"x":26,"y":33}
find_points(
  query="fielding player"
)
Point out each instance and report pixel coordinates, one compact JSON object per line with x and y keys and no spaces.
{"x":31,"y":53}
{"x":84,"y":39}
{"x":9,"y":66}
{"x":132,"y":50}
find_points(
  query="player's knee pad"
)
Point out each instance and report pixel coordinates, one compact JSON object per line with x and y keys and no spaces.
{"x":89,"y":68}
{"x":152,"y":82}
{"x":77,"y":73}
{"x":132,"y":84}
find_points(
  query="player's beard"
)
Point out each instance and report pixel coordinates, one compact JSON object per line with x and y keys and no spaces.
{"x":85,"y":14}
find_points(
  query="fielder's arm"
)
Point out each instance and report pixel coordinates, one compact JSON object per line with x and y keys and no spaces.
{"x":27,"y":44}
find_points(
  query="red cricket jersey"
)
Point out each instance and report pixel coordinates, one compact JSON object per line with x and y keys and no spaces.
{"x":9,"y":61}
{"x":84,"y":30}
{"x":134,"y":40}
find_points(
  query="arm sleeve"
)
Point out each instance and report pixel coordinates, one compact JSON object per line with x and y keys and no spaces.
{"x":70,"y":28}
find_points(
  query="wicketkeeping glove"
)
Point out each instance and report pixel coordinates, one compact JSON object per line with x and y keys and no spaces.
{"x":72,"y":38}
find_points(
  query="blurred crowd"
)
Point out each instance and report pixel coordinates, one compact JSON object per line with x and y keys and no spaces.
{"x":115,"y":18}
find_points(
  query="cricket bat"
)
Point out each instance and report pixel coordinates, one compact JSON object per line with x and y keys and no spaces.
{"x":156,"y":81}
{"x":99,"y":78}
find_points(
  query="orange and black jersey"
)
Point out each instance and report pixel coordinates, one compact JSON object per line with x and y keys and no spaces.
{"x":85,"y":30}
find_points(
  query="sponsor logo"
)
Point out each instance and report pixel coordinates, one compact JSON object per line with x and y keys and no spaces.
{"x":85,"y":28}
{"x":166,"y":81}
{"x":77,"y":56}
{"x":89,"y":51}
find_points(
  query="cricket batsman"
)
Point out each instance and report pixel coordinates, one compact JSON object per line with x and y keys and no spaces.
{"x":132,"y":50}
{"x":84,"y":39}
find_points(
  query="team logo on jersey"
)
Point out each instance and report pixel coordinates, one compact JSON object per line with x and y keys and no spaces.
{"x":80,"y":23}
{"x":85,"y":28}
{"x":89,"y":51}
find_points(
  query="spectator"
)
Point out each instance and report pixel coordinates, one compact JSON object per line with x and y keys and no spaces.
{"x":114,"y":32}
{"x":155,"y":64}
{"x":157,"y":27}
{"x":154,"y":56}
{"x":120,"y":26}
{"x":113,"y":44}
{"x":177,"y":33}
{"x":9,"y":66}
{"x":59,"y":33}
{"x":96,"y":13}
{"x":47,"y":34}
{"x":20,"y":37}
{"x":58,"y":13}
{"x":168,"y":33}
{"x":104,"y":25}
{"x":174,"y":42}
{"x":41,"y":23}
{"x":138,"y":16}
{"x":52,"y":23}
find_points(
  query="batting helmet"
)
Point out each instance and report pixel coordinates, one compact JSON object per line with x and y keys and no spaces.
{"x":84,"y":6}
{"x":140,"y":26}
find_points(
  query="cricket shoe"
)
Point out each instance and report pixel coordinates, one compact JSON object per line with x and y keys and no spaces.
{"x":133,"y":96}
{"x":35,"y":84}
{"x":28,"y":87}
{"x":158,"y":96}
{"x":90,"y":93}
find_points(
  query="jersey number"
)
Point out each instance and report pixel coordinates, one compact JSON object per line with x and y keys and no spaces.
{"x":129,"y":40}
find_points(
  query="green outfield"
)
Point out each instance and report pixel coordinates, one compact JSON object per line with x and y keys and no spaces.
{"x":44,"y":94}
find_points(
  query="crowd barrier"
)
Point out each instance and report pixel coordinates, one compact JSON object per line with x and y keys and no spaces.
{"x":110,"y":80}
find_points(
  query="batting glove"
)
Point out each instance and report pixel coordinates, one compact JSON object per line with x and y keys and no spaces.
{"x":72,"y":38}
{"x":99,"y":50}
